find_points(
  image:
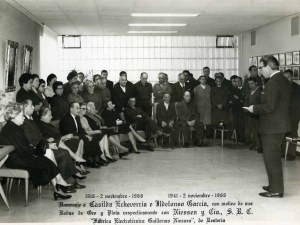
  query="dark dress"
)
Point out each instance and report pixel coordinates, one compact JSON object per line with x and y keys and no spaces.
{"x":41,"y":169}
{"x":47,"y":129}
{"x":110,"y":118}
{"x":95,"y":124}
{"x":59,"y":106}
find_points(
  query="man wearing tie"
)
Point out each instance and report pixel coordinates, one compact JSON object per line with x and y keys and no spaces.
{"x":178,"y":89}
{"x":273,"y":123}
{"x":166,"y":119}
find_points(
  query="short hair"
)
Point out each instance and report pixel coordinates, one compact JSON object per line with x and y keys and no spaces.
{"x":143,"y":73}
{"x":123,"y":73}
{"x":35,"y":76}
{"x":41,"y":81}
{"x":253,"y":79}
{"x":186,"y":71}
{"x":43,"y":111}
{"x":94,"y":77}
{"x":166,"y":75}
{"x":239,"y":78}
{"x":221,"y":74}
{"x":289,"y":71}
{"x":50,"y":78}
{"x":206,"y":67}
{"x":56,"y":84}
{"x":251,"y":67}
{"x":12,"y":110}
{"x":71,"y":75}
{"x":180,"y":74}
{"x":72,"y":104}
{"x":186,"y":92}
{"x":83,"y":103}
{"x":130,"y":99}
{"x":233,"y":77}
{"x":103,"y":71}
{"x":218,"y":77}
{"x":271,"y":61}
{"x":25,"y":102}
{"x":202,"y":76}
{"x":24,"y":78}
{"x":102,"y":78}
{"x":167,"y":94}
{"x":75,"y":83}
{"x":81,"y":73}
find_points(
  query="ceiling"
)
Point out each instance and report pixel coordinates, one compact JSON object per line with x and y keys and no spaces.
{"x":111,"y":17}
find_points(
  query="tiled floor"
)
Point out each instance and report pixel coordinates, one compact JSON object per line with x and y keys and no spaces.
{"x":233,"y":170}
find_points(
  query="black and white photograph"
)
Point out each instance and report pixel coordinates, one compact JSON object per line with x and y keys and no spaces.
{"x":150,"y":112}
{"x":296,"y":58}
{"x":282,"y":59}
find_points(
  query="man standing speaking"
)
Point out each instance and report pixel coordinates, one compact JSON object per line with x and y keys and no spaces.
{"x":273,"y":123}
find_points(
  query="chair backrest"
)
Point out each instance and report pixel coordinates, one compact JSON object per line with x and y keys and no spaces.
{"x":55,"y":123}
{"x":154,"y":111}
{"x":2,"y":160}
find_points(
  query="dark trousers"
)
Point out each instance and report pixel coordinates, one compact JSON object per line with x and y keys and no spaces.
{"x":239,"y":122}
{"x":271,"y":144}
{"x":91,"y":149}
{"x":148,"y":125}
{"x":253,"y":124}
{"x":293,"y":133}
{"x":247,"y":127}
{"x":185,"y":129}
{"x":145,"y":105}
{"x":173,"y":131}
{"x":65,"y":163}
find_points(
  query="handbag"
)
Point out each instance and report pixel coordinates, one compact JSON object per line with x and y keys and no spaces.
{"x":40,"y":148}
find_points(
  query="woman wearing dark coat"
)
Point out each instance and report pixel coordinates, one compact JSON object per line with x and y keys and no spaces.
{"x":112,"y":119}
{"x":41,"y":169}
{"x":59,"y":103}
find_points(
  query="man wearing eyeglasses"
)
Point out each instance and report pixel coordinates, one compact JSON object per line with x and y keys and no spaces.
{"x":273,"y":123}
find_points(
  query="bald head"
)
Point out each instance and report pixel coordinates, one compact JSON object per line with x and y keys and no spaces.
{"x":181,"y":78}
{"x":187,"y":96}
{"x":161,"y":78}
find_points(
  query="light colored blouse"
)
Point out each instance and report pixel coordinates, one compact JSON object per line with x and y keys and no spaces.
{"x":49,"y":92}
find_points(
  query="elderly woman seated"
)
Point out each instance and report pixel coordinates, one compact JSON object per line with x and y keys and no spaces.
{"x":41,"y":168}
{"x":74,"y":96}
{"x":96,"y":122}
{"x":112,"y":118}
{"x":69,"y":142}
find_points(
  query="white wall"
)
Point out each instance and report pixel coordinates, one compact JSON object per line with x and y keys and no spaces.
{"x":271,"y":39}
{"x":15,"y":26}
{"x":49,"y":53}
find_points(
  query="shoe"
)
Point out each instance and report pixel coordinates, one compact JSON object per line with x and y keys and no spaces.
{"x":186,"y":145}
{"x":78,"y":186}
{"x":58,"y":195}
{"x":92,"y":165}
{"x":266,"y":188}
{"x":78,"y":178}
{"x":177,"y":145}
{"x":271,"y":195}
{"x":86,"y":172}
{"x":80,"y":163}
{"x":290,"y":157}
{"x":111,"y":159}
{"x":198,"y":144}
{"x":101,"y":163}
{"x":131,"y":150}
{"x":123,"y":154}
{"x":136,"y":152}
{"x":149,"y":147}
{"x":65,"y":189}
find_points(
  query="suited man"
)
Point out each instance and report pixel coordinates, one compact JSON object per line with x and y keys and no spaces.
{"x":219,"y":101}
{"x":166,"y":119}
{"x":209,"y":81}
{"x":123,"y":73}
{"x":294,"y":111}
{"x":135,"y":115}
{"x":274,"y":123}
{"x":123,"y":90}
{"x":161,"y":88}
{"x":190,"y":82}
{"x":225,"y":82}
{"x":109,"y":84}
{"x":188,"y":116}
{"x":70,"y":124}
{"x":178,"y":89}
{"x":237,"y":101}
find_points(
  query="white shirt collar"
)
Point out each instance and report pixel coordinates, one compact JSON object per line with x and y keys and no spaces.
{"x":29,"y":117}
{"x":123,"y":88}
{"x":75,"y":121}
{"x":203,"y":86}
{"x":166,"y":105}
{"x":182,"y":85}
{"x":252,"y":92}
{"x":274,"y":73}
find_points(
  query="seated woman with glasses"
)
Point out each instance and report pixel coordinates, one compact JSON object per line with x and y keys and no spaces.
{"x":42,"y":169}
{"x":112,"y":118}
{"x":69,"y":142}
{"x":59,"y":103}
{"x":74,"y":96}
{"x":96,"y":122}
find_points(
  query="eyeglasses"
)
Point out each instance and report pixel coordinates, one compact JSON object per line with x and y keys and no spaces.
{"x":43,"y":86}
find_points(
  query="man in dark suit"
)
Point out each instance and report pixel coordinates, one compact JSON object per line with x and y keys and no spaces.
{"x":209,"y":81}
{"x":123,"y":90}
{"x":225,"y":82}
{"x":274,"y":123}
{"x":135,"y":115}
{"x":109,"y":84}
{"x":237,"y":100}
{"x":178,"y":89}
{"x":70,"y":124}
{"x":123,"y":73}
{"x":294,"y":111}
{"x":188,"y":116}
{"x":191,"y":83}
{"x":166,"y":120}
{"x":143,"y":94}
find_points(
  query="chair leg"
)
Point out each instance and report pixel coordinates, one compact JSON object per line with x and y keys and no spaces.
{"x":4,"y":196}
{"x":235,"y":137}
{"x":215,"y":134}
{"x":155,"y":142}
{"x":7,"y":185}
{"x":286,"y":149}
{"x":10,"y":185}
{"x":222,"y":134}
{"x":19,"y":183}
{"x":26,"y":192}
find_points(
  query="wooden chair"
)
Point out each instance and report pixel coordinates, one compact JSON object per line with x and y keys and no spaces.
{"x":222,"y":133}
{"x":290,"y":140}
